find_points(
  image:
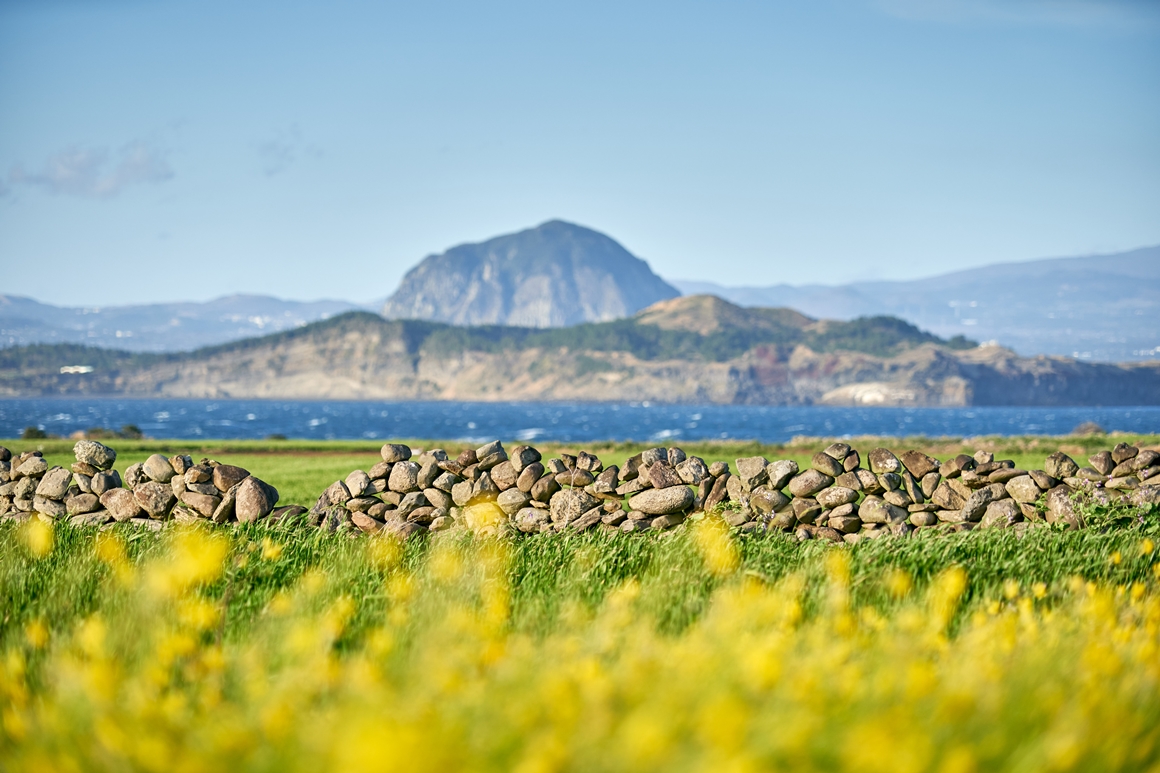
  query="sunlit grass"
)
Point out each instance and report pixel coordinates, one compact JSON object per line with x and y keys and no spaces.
{"x":263,"y":649}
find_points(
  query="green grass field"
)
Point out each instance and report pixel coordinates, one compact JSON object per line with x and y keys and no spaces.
{"x":267,"y":649}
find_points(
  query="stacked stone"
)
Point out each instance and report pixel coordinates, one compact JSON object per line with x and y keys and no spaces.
{"x":488,"y":490}
{"x":24,"y":492}
{"x":177,"y":488}
{"x":399,"y":494}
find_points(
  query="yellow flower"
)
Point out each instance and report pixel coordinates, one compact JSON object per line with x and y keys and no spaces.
{"x":1116,"y":558}
{"x":36,"y":632}
{"x":1039,"y":590}
{"x":271,"y":551}
{"x":1147,"y":546}
{"x":1011,"y":589}
{"x":37,"y":537}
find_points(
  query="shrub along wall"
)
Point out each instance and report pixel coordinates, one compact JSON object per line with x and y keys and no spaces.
{"x":841,"y":496}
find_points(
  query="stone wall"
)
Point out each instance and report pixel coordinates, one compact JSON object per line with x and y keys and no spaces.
{"x":841,"y":496}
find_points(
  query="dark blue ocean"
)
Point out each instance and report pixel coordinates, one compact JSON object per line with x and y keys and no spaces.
{"x":311,"y":419}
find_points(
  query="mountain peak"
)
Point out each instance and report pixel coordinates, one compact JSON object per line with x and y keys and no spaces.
{"x":553,"y":275}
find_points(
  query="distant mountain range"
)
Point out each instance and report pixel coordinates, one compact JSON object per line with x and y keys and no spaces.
{"x":697,"y":349}
{"x":554,"y":275}
{"x":1102,"y":307}
{"x":157,"y":327}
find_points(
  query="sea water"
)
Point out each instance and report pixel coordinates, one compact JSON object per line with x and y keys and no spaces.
{"x":568,"y":422}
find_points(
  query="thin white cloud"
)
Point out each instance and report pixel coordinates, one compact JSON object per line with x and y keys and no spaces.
{"x":97,"y":173}
{"x":1056,"y":12}
{"x":278,"y":154}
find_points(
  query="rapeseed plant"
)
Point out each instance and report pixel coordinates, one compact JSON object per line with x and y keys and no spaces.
{"x":396,"y":657}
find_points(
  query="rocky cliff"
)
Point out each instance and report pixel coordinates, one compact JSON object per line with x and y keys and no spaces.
{"x":688,"y":350}
{"x":554,"y":275}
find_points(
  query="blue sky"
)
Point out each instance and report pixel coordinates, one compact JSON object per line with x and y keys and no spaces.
{"x":157,"y":150}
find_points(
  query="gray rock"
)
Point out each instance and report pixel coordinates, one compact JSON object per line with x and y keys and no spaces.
{"x":95,"y":518}
{"x":765,"y":500}
{"x":870,"y":484}
{"x":569,"y":504}
{"x":923,"y":519}
{"x":366,"y":523}
{"x":357,"y":483}
{"x":1061,"y":508}
{"x":121,"y":504}
{"x":808,"y":483}
{"x":55,"y":483}
{"x":845,"y":524}
{"x":576,"y":478}
{"x":929,"y":483}
{"x":898,"y":498}
{"x":976,"y":505}
{"x":751,"y":472}
{"x":719,"y":493}
{"x":461,"y":493}
{"x":105,"y":481}
{"x":395,"y":452}
{"x":404,"y":477}
{"x":158,"y":469}
{"x":82,"y":503}
{"x":827,"y":465}
{"x":662,"y":501}
{"x":199,"y":473}
{"x":875,"y":510}
{"x":97,"y":454}
{"x":852,"y":461}
{"x":835,"y":496}
{"x":717,"y":469}
{"x":337,"y":493}
{"x":946,"y":497}
{"x":838,"y":451}
{"x":1145,"y":496}
{"x":155,"y":498}
{"x":653,"y":455}
{"x":492,"y":460}
{"x":200,"y":503}
{"x":226,"y":476}
{"x":1121,"y":453}
{"x":254,"y":499}
{"x":883,"y":460}
{"x":1000,"y":514}
{"x":806,"y":509}
{"x":1060,"y":465}
{"x":25,"y":488}
{"x":849,"y":480}
{"x":527,"y":478}
{"x":53,"y":508}
{"x":380,"y":470}
{"x":692,"y":471}
{"x":226,"y":509}
{"x":890,"y":481}
{"x":513,"y":500}
{"x":504,"y":475}
{"x":661,"y":475}
{"x":33,"y":467}
{"x":1145,"y":459}
{"x":1043,"y":480}
{"x":487,"y":450}
{"x":919,"y":464}
{"x":667,"y":521}
{"x":439,"y":498}
{"x":1102,"y":462}
{"x":587,"y":520}
{"x":545,"y":489}
{"x":953,"y":468}
{"x":484,"y":489}
{"x":78,"y":468}
{"x":589,"y":463}
{"x":522,"y":456}
{"x":780,"y":473}
{"x":1023,"y":489}
{"x":446,"y":481}
{"x":180,"y":463}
